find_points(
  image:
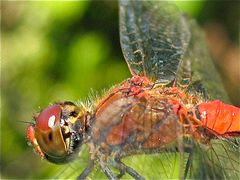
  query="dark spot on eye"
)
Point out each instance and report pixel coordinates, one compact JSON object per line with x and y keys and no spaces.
{"x":69,"y":103}
{"x":73,"y":113}
{"x":50,"y":137}
{"x":67,"y":135}
{"x":64,"y":134}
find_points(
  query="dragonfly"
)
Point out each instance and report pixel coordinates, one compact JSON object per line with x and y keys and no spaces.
{"x":170,"y":106}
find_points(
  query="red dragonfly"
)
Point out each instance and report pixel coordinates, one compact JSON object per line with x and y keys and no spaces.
{"x":167,"y":107}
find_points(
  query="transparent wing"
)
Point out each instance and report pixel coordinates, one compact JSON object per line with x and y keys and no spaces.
{"x":217,"y":160}
{"x":154,"y":36}
{"x":197,"y":67}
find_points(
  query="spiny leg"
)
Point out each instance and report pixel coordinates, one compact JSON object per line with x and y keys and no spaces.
{"x":86,"y":171}
{"x":188,"y":165}
{"x":122,"y":172}
{"x":107,"y":171}
{"x":124,"y":168}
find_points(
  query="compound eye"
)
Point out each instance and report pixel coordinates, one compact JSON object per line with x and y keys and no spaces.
{"x":48,"y":118}
{"x":50,"y":134}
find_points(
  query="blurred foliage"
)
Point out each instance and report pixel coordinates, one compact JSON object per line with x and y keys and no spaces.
{"x":55,"y":51}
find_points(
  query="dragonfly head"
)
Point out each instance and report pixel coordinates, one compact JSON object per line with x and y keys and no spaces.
{"x":58,"y":132}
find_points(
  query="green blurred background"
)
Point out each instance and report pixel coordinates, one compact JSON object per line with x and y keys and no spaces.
{"x":55,"y":51}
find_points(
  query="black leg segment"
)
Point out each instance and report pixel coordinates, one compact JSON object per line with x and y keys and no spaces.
{"x":86,"y":171}
{"x":107,"y":172}
{"x":124,"y":168}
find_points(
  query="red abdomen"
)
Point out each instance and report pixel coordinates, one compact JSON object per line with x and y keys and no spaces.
{"x":219,"y":117}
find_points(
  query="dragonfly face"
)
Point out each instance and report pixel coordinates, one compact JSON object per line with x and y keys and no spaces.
{"x":57,"y":132}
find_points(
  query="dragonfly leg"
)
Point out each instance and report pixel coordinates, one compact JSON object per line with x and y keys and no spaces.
{"x":124,"y":168}
{"x":188,"y":165}
{"x":86,"y":171}
{"x":122,"y":172}
{"x":107,"y":171}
